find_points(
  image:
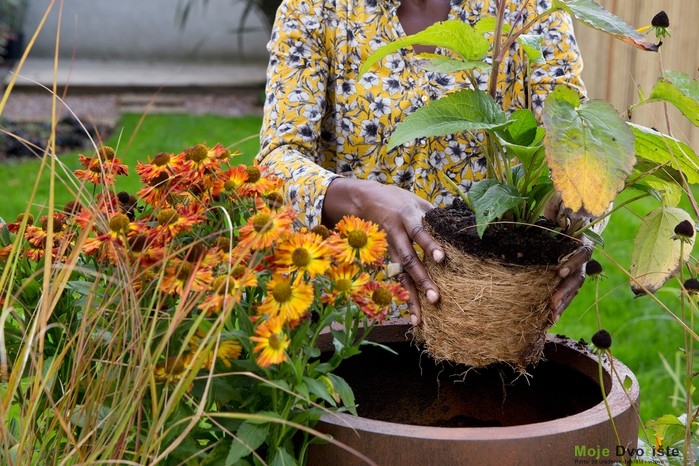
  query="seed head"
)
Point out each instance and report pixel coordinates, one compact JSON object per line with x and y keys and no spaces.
{"x":196,"y":153}
{"x":593,"y":268}
{"x":660,"y":20}
{"x":684,"y":230}
{"x":602,"y":339}
{"x":321,"y":230}
{"x":106,"y":153}
{"x":274,"y":200}
{"x":357,"y":239}
{"x":161,"y":159}
{"x":30,"y":219}
{"x":167,"y":217}
{"x":382,"y":297}
{"x":159,"y":180}
{"x":692,"y":286}
{"x":253,"y":174}
{"x":119,"y":223}
{"x":72,"y":207}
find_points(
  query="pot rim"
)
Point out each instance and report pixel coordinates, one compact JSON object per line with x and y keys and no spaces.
{"x":619,"y":401}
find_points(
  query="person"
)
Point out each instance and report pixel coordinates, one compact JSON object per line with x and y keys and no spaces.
{"x":325,"y":131}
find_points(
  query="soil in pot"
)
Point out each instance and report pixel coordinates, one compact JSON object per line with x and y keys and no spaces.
{"x":532,"y":245}
{"x":495,"y":290}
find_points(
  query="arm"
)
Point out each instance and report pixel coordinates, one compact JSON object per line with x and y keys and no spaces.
{"x":297,"y":77}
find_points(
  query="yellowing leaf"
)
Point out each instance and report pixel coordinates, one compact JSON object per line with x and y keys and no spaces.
{"x":656,"y":252}
{"x":589,"y":149}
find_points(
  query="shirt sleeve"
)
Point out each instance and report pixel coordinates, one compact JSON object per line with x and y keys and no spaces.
{"x":297,"y":76}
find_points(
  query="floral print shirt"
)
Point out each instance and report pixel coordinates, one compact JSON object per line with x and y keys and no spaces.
{"x":321,"y":122}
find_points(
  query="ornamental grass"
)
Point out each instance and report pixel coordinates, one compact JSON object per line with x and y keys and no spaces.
{"x":179,"y":324}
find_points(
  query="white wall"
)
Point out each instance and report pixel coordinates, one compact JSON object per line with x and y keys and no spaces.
{"x":145,"y":30}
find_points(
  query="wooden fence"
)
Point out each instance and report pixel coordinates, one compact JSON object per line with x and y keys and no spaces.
{"x":615,"y":71}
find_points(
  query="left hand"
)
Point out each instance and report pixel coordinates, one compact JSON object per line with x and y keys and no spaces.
{"x":572,"y":271}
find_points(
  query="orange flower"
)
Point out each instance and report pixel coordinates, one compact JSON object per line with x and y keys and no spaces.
{"x":173,"y":368}
{"x":286,"y":298}
{"x":227,"y":351}
{"x":228,"y":289}
{"x":181,"y":275}
{"x":271,"y":342}
{"x":348,"y":280}
{"x":257,"y":183}
{"x":101,"y":169}
{"x":171,"y":221}
{"x":5,"y":252}
{"x":359,"y":239}
{"x":380,"y":297}
{"x":264,"y":228}
{"x":162,"y":163}
{"x":234,"y":177}
{"x":303,"y":252}
{"x":14,"y":227}
{"x":158,"y":189}
{"x":200,"y":161}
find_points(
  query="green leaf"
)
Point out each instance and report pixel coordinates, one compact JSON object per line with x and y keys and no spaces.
{"x":319,"y":389}
{"x":656,"y":253}
{"x":249,"y":438}
{"x":531,"y":44}
{"x":283,"y":458}
{"x":344,"y":390}
{"x":593,"y":15}
{"x":491,"y":199}
{"x":522,"y":129}
{"x":680,"y":90}
{"x":442,"y":64}
{"x":661,"y":149}
{"x":466,"y":110}
{"x":668,"y":192}
{"x":589,"y":149}
{"x":219,"y":454}
{"x":454,"y":35}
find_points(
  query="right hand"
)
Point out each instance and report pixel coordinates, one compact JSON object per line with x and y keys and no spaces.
{"x":399,"y":213}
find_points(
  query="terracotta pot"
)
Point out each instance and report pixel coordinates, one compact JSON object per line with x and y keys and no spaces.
{"x":414,"y":411}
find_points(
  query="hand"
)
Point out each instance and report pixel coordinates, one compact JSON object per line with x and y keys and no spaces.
{"x":572,"y":271}
{"x":399,"y":213}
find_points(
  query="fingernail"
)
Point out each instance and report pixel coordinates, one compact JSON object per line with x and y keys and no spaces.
{"x":555,"y":318}
{"x":432,"y":296}
{"x":438,"y":255}
{"x":413,"y":320}
{"x":563,"y":273}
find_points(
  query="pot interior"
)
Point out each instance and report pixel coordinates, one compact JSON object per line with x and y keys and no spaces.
{"x":411,"y":388}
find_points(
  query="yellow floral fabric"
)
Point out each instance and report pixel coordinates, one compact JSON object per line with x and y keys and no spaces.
{"x":322,"y":122}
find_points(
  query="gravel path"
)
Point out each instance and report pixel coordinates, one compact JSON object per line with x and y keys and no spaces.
{"x":36,"y":105}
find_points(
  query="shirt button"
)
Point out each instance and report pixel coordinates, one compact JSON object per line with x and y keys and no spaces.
{"x":423,"y":142}
{"x":424,"y":98}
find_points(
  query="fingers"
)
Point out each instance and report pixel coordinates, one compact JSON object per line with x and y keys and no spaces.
{"x":413,"y":301}
{"x":572,"y":271}
{"x":564,"y":294}
{"x":575,"y":261}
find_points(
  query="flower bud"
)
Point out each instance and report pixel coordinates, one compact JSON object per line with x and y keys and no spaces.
{"x":602,"y":339}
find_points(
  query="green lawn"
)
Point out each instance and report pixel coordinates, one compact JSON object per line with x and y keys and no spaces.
{"x":134,"y":140}
{"x":642,"y":332}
